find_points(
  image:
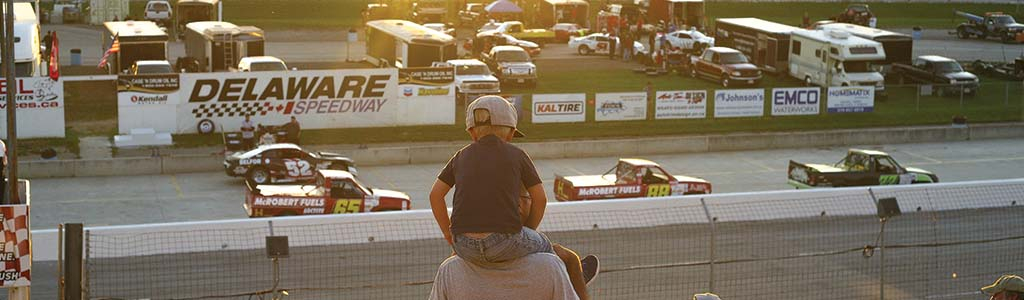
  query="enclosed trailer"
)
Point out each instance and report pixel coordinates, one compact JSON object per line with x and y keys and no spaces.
{"x":684,"y":13}
{"x":564,"y":11}
{"x":404,"y":44}
{"x":765,"y":43}
{"x":188,"y":11}
{"x":218,"y":46}
{"x":899,"y":48}
{"x":137,"y":40}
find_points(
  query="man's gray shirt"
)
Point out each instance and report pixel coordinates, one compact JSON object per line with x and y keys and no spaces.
{"x":538,"y":276}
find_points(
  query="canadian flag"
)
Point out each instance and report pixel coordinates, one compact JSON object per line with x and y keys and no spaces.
{"x":55,"y":59}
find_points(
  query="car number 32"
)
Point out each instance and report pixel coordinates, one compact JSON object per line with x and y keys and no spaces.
{"x":298,"y":168}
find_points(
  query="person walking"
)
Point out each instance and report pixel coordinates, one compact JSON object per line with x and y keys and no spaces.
{"x":248,"y":134}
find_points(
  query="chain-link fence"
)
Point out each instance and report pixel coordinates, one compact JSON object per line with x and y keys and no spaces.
{"x":951,"y":239}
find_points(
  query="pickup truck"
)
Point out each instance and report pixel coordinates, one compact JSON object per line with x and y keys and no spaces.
{"x":472,"y":79}
{"x":726,"y":66}
{"x":511,"y":64}
{"x":858,"y":168}
{"x":946,"y":74}
{"x":991,"y":25}
{"x":630,"y":178}
{"x":473,"y":15}
{"x":158,"y":11}
{"x":517,"y":30}
{"x":334,"y":192}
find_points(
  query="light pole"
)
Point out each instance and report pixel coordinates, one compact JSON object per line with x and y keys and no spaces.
{"x":12,"y":135}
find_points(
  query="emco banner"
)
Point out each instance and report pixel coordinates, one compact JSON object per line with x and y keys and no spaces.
{"x":851,"y":99}
{"x":40,"y":107}
{"x":796,"y":101}
{"x":559,"y":108}
{"x":680,"y":105}
{"x":620,"y":106}
{"x":739,"y":103}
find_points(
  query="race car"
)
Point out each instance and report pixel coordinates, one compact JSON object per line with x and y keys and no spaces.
{"x":598,"y":43}
{"x":858,"y":168}
{"x":630,"y":178}
{"x":690,"y":39}
{"x":280,"y":163}
{"x":333,"y":192}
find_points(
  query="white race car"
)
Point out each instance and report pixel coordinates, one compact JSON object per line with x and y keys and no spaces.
{"x":598,"y":43}
{"x":688,"y":39}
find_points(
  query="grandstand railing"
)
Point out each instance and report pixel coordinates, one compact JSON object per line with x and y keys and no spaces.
{"x":813,"y":244}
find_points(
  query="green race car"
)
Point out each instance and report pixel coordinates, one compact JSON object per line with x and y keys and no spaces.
{"x":858,"y":168}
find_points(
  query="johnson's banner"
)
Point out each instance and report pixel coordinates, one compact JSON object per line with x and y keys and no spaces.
{"x":739,"y":103}
{"x":40,"y":110}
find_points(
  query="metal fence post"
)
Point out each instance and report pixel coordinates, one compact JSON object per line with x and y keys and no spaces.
{"x":961,"y":96}
{"x":917,"y":96}
{"x":1006,"y":97}
{"x":73,"y":261}
{"x":711,"y":251}
{"x":60,"y":261}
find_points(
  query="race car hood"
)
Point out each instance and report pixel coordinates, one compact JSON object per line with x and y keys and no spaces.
{"x":820,"y":168}
{"x":382,"y":193}
{"x":591,"y":180}
{"x":328,"y":156}
{"x":960,"y":76}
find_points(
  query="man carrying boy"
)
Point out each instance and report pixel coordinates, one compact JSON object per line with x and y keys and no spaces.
{"x":486,"y":227}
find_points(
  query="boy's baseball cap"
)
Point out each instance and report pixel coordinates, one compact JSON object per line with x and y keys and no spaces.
{"x":1011,"y":283}
{"x":502,"y":113}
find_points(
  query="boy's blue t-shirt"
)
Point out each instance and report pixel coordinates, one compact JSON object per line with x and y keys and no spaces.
{"x":488,"y":176}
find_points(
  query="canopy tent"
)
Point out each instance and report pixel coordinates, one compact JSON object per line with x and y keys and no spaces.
{"x":503,"y":7}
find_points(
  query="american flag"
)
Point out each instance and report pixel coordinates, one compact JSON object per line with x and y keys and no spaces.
{"x":114,"y":48}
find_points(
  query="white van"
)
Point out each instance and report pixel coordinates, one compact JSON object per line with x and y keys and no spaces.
{"x":835,"y":58}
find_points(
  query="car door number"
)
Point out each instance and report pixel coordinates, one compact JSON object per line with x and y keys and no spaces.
{"x":298,"y":168}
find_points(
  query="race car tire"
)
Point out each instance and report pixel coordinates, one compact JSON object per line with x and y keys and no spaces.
{"x":962,"y":34}
{"x":258,"y":176}
{"x":584,"y":50}
{"x":205,"y":126}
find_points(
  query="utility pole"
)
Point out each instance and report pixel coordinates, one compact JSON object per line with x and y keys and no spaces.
{"x":12,"y":83}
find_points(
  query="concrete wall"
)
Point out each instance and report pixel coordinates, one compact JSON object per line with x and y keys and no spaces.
{"x":545,"y":150}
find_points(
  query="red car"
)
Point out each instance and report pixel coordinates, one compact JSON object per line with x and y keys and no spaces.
{"x":335,"y":192}
{"x":726,"y":66}
{"x":630,"y":178}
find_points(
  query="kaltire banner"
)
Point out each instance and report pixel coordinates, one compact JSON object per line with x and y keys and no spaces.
{"x":143,"y":101}
{"x":680,"y":105}
{"x":318,"y":99}
{"x":796,"y":101}
{"x":620,"y":106}
{"x":559,"y":108}
{"x":851,"y":99}
{"x":40,"y":107}
{"x":739,"y":103}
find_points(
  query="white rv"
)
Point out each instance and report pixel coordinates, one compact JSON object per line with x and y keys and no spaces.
{"x":28,"y":58}
{"x":835,"y":58}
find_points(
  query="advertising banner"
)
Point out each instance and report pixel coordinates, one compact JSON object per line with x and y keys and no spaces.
{"x":40,"y":107}
{"x":680,"y":105}
{"x":796,"y":101}
{"x":620,"y":106}
{"x":16,"y":252}
{"x":851,"y":99}
{"x":427,"y":96}
{"x":147,"y":101}
{"x":558,"y":108}
{"x":739,"y":103}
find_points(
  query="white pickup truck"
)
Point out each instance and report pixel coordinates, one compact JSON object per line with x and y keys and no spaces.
{"x":158,"y":11}
{"x":472,"y":78}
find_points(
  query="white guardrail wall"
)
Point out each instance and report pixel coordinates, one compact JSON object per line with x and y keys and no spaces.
{"x":609,"y":214}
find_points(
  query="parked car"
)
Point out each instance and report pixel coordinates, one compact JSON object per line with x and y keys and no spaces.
{"x":511,"y":64}
{"x":495,"y":38}
{"x":946,"y":74}
{"x":858,"y":168}
{"x":151,"y":67}
{"x":261,"y":63}
{"x":598,"y":43}
{"x":690,"y":39}
{"x":727,"y":66}
{"x":630,"y":178}
{"x":566,"y":31}
{"x":283,"y":163}
{"x":332,"y":192}
{"x":158,"y":11}
{"x":519,"y":31}
{"x":473,"y":79}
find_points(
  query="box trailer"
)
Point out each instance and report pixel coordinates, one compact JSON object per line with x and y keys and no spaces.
{"x":137,"y":40}
{"x":188,"y":11}
{"x":685,"y":13}
{"x":564,"y":11}
{"x":217,"y":46}
{"x":765,"y":43}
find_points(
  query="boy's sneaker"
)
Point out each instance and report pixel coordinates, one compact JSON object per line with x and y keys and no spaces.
{"x":591,"y":266}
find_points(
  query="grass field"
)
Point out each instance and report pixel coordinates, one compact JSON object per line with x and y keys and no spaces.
{"x":339,"y":14}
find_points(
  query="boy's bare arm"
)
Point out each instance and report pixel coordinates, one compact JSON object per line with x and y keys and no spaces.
{"x":437,"y":205}
{"x":538,"y":204}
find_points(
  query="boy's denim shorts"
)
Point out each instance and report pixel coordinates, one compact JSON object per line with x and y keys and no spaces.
{"x":501,"y":247}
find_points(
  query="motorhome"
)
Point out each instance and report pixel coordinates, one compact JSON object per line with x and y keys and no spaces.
{"x":28,"y":59}
{"x":899,"y":48}
{"x":835,"y":58}
{"x":564,"y":11}
{"x":404,"y":44}
{"x":217,"y":46}
{"x":765,"y":43}
{"x":188,"y":11}
{"x":137,"y":40}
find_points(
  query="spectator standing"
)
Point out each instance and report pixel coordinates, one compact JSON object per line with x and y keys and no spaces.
{"x":47,"y":42}
{"x":627,"y":46}
{"x":248,"y":133}
{"x":612,"y":45}
{"x":292,"y":131}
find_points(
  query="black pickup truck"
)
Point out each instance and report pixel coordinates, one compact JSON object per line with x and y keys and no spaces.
{"x":947,"y":76}
{"x":858,"y":168}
